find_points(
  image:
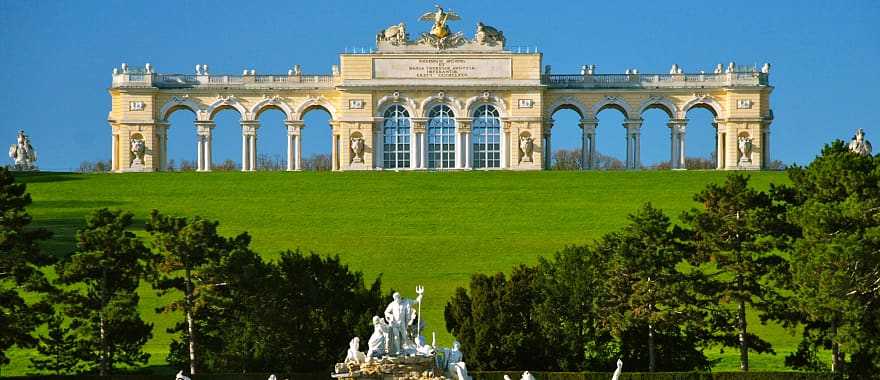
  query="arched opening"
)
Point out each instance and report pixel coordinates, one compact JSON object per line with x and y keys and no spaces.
{"x":486,"y":130}
{"x":272,"y":147}
{"x":182,"y":140}
{"x":701,"y":138}
{"x":396,"y":138}
{"x":317,"y":139}
{"x":226,"y":139}
{"x":611,"y":138}
{"x":441,"y":137}
{"x":566,"y":139}
{"x":655,"y":132}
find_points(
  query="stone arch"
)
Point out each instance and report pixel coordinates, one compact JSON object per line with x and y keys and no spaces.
{"x":176,"y":103}
{"x":396,"y":99}
{"x":314,"y":102}
{"x":227,"y":102}
{"x":273,"y":102}
{"x":441,"y":98}
{"x":472,"y":103}
{"x":659,"y":102}
{"x":613,"y":102}
{"x":704,"y":101}
{"x":567,"y":102}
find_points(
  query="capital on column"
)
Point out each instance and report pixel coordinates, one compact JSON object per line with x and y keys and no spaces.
{"x":204,"y":127}
{"x":294,"y":128}
{"x":249,"y":127}
{"x":677,"y":125}
{"x":588,"y":125}
{"x":633,"y":126}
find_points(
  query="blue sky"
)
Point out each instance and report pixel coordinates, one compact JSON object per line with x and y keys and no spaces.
{"x":56,"y":60}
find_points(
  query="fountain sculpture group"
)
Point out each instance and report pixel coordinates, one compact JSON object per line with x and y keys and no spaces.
{"x":397,"y":349}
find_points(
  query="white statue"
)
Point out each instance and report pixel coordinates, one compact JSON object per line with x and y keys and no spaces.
{"x":859,"y":145}
{"x":378,"y":343}
{"x":527,"y":376}
{"x":745,"y":149}
{"x":400,"y":315}
{"x":423,"y":348}
{"x":148,"y":68}
{"x":138,"y":150}
{"x":357,"y":150}
{"x":205,"y":69}
{"x":507,"y":377}
{"x":354,"y":355}
{"x":618,"y":370}
{"x":766,"y":68}
{"x":394,"y":34}
{"x":731,"y":67}
{"x":181,"y":376}
{"x":487,"y":35}
{"x":272,"y":377}
{"x":455,"y":366}
{"x":198,"y":69}
{"x":719,"y":69}
{"x":674,"y":69}
{"x":526,"y":146}
{"x":22,"y":153}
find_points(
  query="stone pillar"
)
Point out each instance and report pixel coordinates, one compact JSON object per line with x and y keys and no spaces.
{"x":505,"y":144}
{"x":249,"y":145}
{"x":418,"y":148}
{"x":466,"y":149}
{"x":588,"y":143}
{"x":294,"y":129}
{"x":379,"y":144}
{"x":204,"y":130}
{"x":765,"y":145}
{"x":633,"y":133}
{"x":200,"y":152}
{"x":676,"y":132}
{"x":114,"y":151}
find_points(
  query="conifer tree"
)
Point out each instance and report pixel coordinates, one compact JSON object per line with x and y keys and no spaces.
{"x":20,"y":262}
{"x":734,"y":239}
{"x":102,"y":278}
{"x":59,"y":349}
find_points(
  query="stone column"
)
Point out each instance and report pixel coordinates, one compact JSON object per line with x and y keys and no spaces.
{"x":294,"y":129}
{"x":418,"y":148}
{"x":633,"y":133}
{"x":505,"y":144}
{"x":204,"y":129}
{"x":249,"y":145}
{"x":676,"y":132}
{"x":588,"y":143}
{"x":378,"y":144}
{"x":114,"y":151}
{"x":463,"y":127}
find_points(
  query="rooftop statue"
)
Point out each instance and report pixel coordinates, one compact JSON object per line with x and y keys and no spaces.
{"x":439,"y":36}
{"x":859,"y":145}
{"x":22,"y":153}
{"x":439,"y":17}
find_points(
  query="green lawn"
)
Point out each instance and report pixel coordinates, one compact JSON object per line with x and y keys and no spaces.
{"x":434,"y":229}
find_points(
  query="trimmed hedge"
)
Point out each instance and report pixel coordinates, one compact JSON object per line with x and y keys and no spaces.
{"x":499,"y":375}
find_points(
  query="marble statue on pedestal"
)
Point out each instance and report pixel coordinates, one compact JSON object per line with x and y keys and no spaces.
{"x":745,"y":149}
{"x":400,"y":316}
{"x":859,"y":145}
{"x":22,"y":153}
{"x":354,"y":354}
{"x":526,"y":146}
{"x":378,"y":343}
{"x":138,"y":150}
{"x":618,"y":370}
{"x":454,"y":363}
{"x":181,"y":376}
{"x":357,"y":150}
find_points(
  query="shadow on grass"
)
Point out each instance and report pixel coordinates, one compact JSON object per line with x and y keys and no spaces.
{"x":36,"y":177}
{"x":63,"y":240}
{"x":69,"y":204}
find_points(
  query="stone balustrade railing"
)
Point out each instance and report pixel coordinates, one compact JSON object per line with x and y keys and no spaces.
{"x":190,"y":80}
{"x":737,"y":79}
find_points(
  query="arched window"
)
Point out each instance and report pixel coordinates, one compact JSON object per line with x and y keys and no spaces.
{"x":395,"y":130}
{"x":441,"y":138}
{"x":487,"y":138}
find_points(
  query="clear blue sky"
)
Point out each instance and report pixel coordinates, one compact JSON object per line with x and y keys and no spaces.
{"x":56,"y":60}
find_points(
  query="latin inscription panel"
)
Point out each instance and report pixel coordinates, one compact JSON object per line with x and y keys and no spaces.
{"x":441,"y":68}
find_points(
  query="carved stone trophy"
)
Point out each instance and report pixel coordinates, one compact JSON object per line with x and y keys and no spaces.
{"x":526,"y":146}
{"x":22,"y":153}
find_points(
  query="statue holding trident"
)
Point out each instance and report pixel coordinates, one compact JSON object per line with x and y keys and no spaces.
{"x":400,"y":316}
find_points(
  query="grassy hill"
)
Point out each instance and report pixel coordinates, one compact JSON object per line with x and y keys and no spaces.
{"x":434,"y":229}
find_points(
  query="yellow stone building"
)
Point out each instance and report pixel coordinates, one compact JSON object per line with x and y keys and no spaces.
{"x":441,"y":101}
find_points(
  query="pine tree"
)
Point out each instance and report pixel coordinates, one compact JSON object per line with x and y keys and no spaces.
{"x":733,"y":236}
{"x":835,"y":260}
{"x":20,"y":262}
{"x":645,"y":288}
{"x":186,"y":248}
{"x":60,"y":349}
{"x":103,"y":277}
